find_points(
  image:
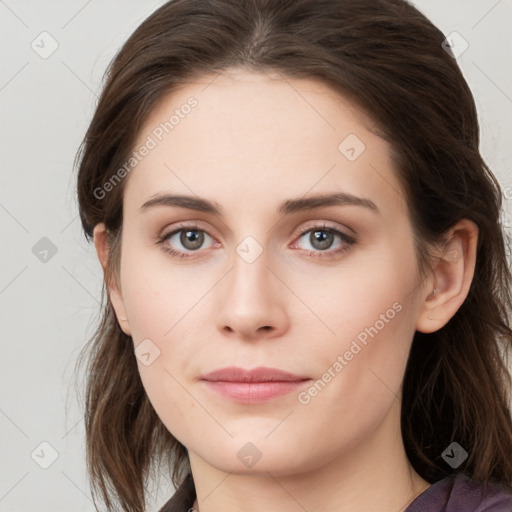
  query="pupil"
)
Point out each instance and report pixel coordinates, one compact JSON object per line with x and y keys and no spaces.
{"x":192,"y":239}
{"x":321,"y":239}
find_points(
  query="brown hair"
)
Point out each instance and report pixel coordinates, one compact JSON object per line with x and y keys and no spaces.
{"x":387,"y":57}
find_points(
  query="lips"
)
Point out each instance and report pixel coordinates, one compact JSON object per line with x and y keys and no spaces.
{"x":260,"y":374}
{"x":252,"y":386}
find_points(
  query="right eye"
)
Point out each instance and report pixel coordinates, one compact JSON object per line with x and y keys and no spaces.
{"x":190,"y":237}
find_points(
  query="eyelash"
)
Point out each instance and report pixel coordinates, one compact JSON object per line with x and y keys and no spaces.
{"x":347,"y":239}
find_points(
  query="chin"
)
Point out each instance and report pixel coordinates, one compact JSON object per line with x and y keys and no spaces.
{"x":257,"y":455}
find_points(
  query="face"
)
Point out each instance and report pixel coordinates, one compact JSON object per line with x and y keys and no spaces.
{"x":248,"y":271}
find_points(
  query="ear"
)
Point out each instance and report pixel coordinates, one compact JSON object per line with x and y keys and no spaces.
{"x":451,"y":278}
{"x":102,"y":249}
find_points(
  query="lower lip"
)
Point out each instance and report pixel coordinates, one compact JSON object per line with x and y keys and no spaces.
{"x":254,"y":392}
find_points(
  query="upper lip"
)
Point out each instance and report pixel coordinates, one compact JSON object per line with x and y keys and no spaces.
{"x":259,"y":374}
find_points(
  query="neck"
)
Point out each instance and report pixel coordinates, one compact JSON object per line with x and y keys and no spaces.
{"x":374,"y":475}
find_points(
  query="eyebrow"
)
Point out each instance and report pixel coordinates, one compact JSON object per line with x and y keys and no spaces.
{"x":285,"y":208}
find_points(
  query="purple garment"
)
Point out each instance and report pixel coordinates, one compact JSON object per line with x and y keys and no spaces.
{"x":456,"y":493}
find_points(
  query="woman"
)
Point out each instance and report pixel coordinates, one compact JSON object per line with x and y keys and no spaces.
{"x":307,"y":280}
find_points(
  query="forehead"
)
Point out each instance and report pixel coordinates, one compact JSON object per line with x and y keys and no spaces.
{"x":264,"y":133}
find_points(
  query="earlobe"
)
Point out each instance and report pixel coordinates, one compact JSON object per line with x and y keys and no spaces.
{"x":100,"y":235}
{"x":451,"y":279}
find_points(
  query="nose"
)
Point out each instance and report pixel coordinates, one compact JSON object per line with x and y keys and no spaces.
{"x":252,"y":301}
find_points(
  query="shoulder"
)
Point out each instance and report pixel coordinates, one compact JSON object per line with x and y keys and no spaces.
{"x":459,"y":492}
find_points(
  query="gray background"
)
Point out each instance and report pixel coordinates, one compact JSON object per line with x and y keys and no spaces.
{"x":49,"y":307}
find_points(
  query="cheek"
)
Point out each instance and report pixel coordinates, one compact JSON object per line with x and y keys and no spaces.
{"x":359,"y":370}
{"x":161,"y":302}
{"x":371,"y":311}
{"x":159,"y":295}
{"x":171,"y":398}
{"x":371,"y":298}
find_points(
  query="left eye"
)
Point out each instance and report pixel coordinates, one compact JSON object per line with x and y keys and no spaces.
{"x":323,"y":238}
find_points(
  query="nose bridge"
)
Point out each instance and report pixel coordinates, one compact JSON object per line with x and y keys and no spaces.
{"x":249,"y":277}
{"x":249,"y":300}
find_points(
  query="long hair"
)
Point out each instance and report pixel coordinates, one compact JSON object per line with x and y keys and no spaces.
{"x":389,"y":59}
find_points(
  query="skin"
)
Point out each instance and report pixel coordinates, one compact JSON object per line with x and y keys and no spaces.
{"x":253,"y":141}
